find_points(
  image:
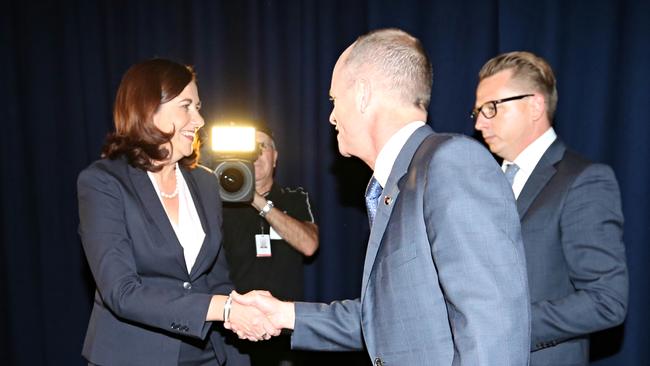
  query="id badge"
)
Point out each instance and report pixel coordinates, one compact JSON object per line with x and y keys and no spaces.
{"x":263,"y":245}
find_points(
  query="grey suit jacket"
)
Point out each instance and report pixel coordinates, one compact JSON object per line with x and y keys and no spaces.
{"x":146,"y":302}
{"x":572,"y":227}
{"x":444,"y":279}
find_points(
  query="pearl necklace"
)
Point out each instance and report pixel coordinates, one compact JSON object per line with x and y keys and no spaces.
{"x":175,"y":193}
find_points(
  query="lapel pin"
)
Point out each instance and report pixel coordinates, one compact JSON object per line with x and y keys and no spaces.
{"x":387,"y":200}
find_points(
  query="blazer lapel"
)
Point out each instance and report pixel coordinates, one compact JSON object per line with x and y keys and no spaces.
{"x":154,"y":208}
{"x":200,"y":210}
{"x":387,"y":200}
{"x":540,"y":176}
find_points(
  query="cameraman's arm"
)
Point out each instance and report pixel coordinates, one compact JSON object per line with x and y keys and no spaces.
{"x":302,"y":235}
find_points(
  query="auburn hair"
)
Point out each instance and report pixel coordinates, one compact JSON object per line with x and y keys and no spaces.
{"x":144,"y":87}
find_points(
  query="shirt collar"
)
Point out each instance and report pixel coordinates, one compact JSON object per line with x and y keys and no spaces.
{"x":390,"y":151}
{"x":530,"y":156}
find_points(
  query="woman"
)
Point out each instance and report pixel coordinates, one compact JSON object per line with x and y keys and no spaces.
{"x":150,"y":225}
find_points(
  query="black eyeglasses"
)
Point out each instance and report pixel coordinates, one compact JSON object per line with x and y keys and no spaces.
{"x":489,"y":109}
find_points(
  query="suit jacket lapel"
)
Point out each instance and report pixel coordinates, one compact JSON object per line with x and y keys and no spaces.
{"x":154,"y":208}
{"x":200,"y":210}
{"x":540,"y":176}
{"x":387,"y":200}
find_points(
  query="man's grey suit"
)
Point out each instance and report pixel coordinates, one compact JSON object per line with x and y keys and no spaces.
{"x":444,"y":280}
{"x":572,"y":227}
{"x":146,"y":302}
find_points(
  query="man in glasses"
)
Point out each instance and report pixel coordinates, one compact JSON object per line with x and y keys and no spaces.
{"x":266,"y":242}
{"x":570,"y":211}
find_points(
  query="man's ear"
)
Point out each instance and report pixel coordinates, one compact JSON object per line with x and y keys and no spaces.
{"x":538,"y":106}
{"x":275,"y":157}
{"x":362,"y":93}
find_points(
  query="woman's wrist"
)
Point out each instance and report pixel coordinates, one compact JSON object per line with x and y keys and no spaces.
{"x":216,"y":308}
{"x":226,"y":308}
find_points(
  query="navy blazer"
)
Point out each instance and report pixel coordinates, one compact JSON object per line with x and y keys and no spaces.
{"x":572,"y":227}
{"x":146,"y":301}
{"x":444,"y":280}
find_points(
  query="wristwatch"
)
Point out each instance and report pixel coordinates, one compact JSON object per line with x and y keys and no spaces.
{"x":265,"y":210}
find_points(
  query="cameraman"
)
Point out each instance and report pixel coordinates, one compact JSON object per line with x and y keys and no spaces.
{"x":266,"y":242}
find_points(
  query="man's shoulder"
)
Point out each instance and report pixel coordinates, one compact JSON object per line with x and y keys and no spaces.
{"x":453,"y":146}
{"x":294,"y":201}
{"x":452,"y":141}
{"x":297,"y":191}
{"x":574,"y":163}
{"x":575,"y":160}
{"x":577,"y":173}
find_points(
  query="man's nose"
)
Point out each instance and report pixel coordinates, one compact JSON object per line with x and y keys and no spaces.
{"x":481,"y":122}
{"x":332,"y":118}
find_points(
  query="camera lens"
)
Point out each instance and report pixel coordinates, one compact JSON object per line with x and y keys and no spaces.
{"x":231,"y":179}
{"x":236,"y":179}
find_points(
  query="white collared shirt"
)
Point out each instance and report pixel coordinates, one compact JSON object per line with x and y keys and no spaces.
{"x":392,"y":148}
{"x":189,"y":230}
{"x":527,"y":160}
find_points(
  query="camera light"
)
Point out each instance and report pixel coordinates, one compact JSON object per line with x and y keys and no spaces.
{"x":233,"y":139}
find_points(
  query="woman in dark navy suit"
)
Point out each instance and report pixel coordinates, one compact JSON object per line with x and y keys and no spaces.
{"x":150,"y":223}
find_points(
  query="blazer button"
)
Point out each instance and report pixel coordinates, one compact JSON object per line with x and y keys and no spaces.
{"x":187,"y":285}
{"x":379,"y":362}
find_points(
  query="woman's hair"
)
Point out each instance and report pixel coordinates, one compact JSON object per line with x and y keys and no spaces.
{"x":144,"y":87}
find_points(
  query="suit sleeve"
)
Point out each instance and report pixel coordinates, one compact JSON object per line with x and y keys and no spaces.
{"x":591,"y":227}
{"x":474,"y":234}
{"x":108,"y":249}
{"x":328,"y":327}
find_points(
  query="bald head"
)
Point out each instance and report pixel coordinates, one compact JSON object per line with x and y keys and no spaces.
{"x":397,"y":59}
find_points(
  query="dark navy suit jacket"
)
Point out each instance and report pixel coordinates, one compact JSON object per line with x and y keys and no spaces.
{"x":572,"y":227}
{"x":146,"y":302}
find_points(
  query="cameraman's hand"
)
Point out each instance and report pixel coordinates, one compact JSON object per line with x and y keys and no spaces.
{"x":258,"y":202}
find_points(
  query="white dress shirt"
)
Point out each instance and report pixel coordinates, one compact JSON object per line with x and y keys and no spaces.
{"x":392,"y":148}
{"x":188,"y":230}
{"x":527,"y":160}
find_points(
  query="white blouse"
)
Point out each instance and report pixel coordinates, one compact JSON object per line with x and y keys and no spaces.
{"x":188,"y":230}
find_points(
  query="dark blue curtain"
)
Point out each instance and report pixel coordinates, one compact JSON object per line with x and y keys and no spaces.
{"x":61,"y":63}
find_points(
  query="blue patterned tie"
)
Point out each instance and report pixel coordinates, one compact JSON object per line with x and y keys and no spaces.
{"x":511,"y":171}
{"x":372,"y":194}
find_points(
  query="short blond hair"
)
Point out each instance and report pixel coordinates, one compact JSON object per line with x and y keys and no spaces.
{"x":529,"y":69}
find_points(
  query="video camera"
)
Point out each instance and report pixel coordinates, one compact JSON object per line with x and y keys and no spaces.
{"x":235,"y":151}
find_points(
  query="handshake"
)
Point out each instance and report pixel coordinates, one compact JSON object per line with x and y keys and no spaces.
{"x":257,"y":315}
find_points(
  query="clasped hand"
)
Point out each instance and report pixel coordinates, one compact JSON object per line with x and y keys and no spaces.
{"x":254,"y":316}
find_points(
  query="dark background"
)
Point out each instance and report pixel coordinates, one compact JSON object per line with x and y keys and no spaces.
{"x":61,"y":63}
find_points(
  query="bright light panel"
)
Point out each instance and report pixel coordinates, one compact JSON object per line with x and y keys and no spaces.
{"x":233,"y":139}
